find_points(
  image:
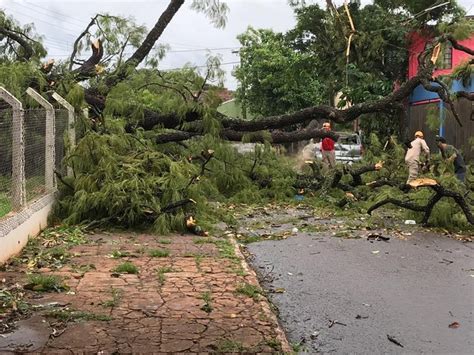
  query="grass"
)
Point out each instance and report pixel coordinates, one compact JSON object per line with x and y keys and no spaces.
{"x":126,"y":268}
{"x":116,"y":297}
{"x":164,"y":241}
{"x":203,"y":240}
{"x":229,"y":346}
{"x":198,"y":258}
{"x":58,"y":253}
{"x":141,"y":250}
{"x":70,"y":315}
{"x":120,"y":254}
{"x":159,"y":253}
{"x":45,"y":283}
{"x":13,"y":301}
{"x":207,"y":298}
{"x":249,"y":290}
{"x":161,"y":273}
{"x":5,"y":205}
{"x":82,"y":269}
{"x":274,"y":344}
{"x":297,"y":347}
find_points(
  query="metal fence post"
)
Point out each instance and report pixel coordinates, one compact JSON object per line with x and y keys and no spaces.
{"x":71,"y":129}
{"x":49,"y":139}
{"x":18,"y":150}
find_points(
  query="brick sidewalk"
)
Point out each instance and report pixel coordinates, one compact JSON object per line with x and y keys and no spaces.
{"x":191,"y":294}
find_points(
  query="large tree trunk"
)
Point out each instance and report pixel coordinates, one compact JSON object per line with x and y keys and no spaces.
{"x":234,"y":129}
{"x":147,"y":44}
{"x":276,"y":137}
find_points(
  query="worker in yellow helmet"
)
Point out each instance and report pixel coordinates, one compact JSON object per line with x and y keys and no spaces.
{"x":412,"y":157}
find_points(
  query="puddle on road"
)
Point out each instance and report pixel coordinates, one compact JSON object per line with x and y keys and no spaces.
{"x":31,"y":334}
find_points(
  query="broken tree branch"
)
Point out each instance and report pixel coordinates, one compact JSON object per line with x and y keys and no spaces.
{"x":147,"y":44}
{"x":440,"y":192}
{"x":28,"y":51}
{"x":78,"y":39}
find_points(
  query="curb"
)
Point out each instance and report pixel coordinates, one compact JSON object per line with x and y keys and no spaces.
{"x":280,"y":334}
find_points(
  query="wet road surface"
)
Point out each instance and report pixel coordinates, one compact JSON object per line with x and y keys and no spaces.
{"x":340,"y":295}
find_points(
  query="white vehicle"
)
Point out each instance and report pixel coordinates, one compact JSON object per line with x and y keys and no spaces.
{"x":348,"y":148}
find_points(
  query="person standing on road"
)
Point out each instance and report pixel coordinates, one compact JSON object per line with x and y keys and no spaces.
{"x":327,"y":148}
{"x":412,"y":157}
{"x":451,"y":154}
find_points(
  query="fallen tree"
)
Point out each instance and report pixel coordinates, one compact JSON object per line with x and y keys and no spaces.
{"x":132,"y":167}
{"x":427,"y":209}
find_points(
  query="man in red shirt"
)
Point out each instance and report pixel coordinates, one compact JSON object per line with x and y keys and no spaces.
{"x":327,"y":149}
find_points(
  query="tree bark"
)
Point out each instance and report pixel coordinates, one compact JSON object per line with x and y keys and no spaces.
{"x":147,"y":45}
{"x":253,"y":137}
{"x":88,"y":69}
{"x":387,"y":104}
{"x":440,"y":192}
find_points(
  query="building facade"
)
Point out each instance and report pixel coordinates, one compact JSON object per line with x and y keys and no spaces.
{"x":421,"y":101}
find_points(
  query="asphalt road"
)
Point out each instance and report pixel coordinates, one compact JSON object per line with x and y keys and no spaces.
{"x":349,"y":295}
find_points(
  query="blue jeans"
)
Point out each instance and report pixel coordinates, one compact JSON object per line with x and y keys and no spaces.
{"x":460,"y":175}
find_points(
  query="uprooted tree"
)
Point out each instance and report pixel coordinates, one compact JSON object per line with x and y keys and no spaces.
{"x":143,"y":157}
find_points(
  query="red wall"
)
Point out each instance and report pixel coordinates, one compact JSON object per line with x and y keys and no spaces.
{"x":418,"y":45}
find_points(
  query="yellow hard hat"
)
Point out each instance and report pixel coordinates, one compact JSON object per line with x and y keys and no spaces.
{"x":419,"y":134}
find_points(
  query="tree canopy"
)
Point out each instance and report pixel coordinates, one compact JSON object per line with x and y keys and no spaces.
{"x":155,"y":146}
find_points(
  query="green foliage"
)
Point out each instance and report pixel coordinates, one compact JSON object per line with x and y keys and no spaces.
{"x":461,"y":29}
{"x":126,"y":268}
{"x":216,"y":10}
{"x":432,"y":118}
{"x":229,"y":346}
{"x":159,"y":253}
{"x":11,"y":49}
{"x":126,"y":180}
{"x":274,"y":78}
{"x":117,"y":33}
{"x":424,"y":11}
{"x":120,"y":254}
{"x":17,"y":77}
{"x":5,"y":204}
{"x":249,"y":290}
{"x":75,"y":96}
{"x":12,"y":300}
{"x":160,"y":272}
{"x":45,"y":283}
{"x":207,"y":298}
{"x":116,"y":297}
{"x":463,"y":72}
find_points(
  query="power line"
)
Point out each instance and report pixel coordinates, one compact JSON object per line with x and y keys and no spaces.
{"x":82,"y":22}
{"x":198,"y":66}
{"x":44,"y":14}
{"x":48,"y":23}
{"x":171,"y":51}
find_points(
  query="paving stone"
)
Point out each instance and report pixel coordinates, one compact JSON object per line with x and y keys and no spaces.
{"x":148,"y":317}
{"x":176,"y":345}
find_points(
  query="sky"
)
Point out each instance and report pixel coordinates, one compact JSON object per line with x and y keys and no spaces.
{"x":190,"y":35}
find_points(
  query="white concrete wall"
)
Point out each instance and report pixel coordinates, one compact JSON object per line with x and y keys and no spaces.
{"x":16,"y":229}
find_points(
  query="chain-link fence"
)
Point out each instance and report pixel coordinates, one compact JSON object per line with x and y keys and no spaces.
{"x":6,"y":119}
{"x":35,"y":153}
{"x":61,"y":139}
{"x":33,"y":143}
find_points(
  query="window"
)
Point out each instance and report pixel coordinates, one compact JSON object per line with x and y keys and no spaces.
{"x":446,"y":61}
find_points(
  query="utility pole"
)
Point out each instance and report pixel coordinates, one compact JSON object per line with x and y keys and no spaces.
{"x":243,"y":84}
